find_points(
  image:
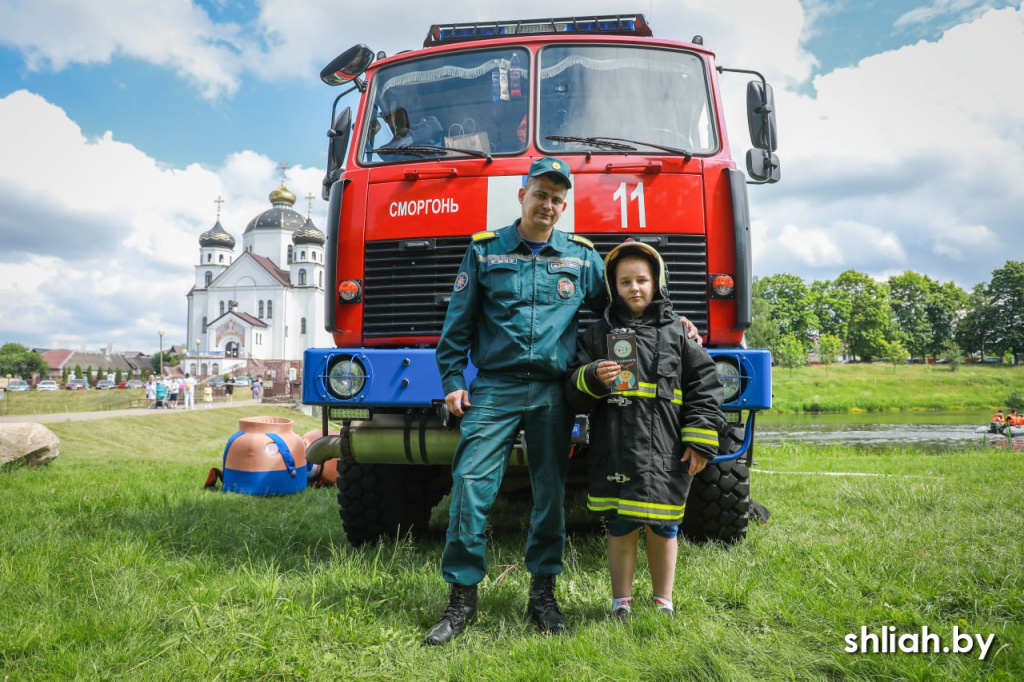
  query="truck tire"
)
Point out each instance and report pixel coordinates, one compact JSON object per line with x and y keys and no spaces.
{"x":718,"y":506}
{"x":382,"y":500}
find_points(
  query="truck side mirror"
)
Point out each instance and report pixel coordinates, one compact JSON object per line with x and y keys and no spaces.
{"x":761,"y":116}
{"x":763,"y":166}
{"x":338,"y":137}
{"x":348,"y":65}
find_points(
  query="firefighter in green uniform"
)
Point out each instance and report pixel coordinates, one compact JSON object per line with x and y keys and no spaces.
{"x":514,"y":309}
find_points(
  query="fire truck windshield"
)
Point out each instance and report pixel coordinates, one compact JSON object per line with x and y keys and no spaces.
{"x":593,"y":94}
{"x":449,"y":105}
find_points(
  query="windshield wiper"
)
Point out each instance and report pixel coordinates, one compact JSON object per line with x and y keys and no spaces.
{"x":428,"y":149}
{"x":605,"y":142}
{"x":617,"y":143}
{"x":671,"y":150}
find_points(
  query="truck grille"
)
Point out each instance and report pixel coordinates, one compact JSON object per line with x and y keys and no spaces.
{"x":409,"y":282}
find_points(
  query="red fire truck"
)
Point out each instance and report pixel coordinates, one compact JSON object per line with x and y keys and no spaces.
{"x":439,"y":145}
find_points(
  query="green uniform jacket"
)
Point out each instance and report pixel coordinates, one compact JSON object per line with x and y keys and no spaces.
{"x":633,"y":459}
{"x":515,"y":312}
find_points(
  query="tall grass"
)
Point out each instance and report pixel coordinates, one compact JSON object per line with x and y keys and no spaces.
{"x":877,"y":387}
{"x":115,"y":563}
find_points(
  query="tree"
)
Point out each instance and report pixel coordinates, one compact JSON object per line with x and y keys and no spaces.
{"x":78,"y":371}
{"x":17,"y":360}
{"x":169,"y":361}
{"x":790,"y":302}
{"x":896,"y":354}
{"x":64,"y":375}
{"x":952,"y":355}
{"x":1006,"y":296}
{"x":792,"y":353}
{"x":829,"y":348}
{"x":946,"y":304}
{"x":975,"y":329}
{"x":88,"y":376}
{"x":117,"y":376}
{"x":856,"y":309}
{"x":909,"y":297}
{"x":763,"y":331}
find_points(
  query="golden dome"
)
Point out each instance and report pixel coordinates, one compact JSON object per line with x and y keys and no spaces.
{"x":282,"y":195}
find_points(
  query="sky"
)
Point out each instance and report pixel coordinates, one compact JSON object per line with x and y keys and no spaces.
{"x":901,"y":137}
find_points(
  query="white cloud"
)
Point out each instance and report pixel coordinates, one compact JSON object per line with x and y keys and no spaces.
{"x":291,"y":39}
{"x":177,"y":35}
{"x":98,"y":241}
{"x":810,"y":245}
{"x":924,"y":143}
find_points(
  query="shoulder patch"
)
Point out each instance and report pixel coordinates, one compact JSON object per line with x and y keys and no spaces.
{"x":481,"y":236}
{"x":581,"y":240}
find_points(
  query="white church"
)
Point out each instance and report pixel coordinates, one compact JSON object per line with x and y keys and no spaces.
{"x":265,"y":304}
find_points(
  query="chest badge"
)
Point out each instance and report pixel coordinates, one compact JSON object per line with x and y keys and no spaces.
{"x":461,"y":281}
{"x":566,"y":288}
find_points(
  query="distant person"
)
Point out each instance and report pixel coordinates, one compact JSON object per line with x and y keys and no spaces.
{"x":229,"y":388}
{"x":151,"y":393}
{"x":208,"y":395}
{"x":655,"y":424}
{"x":190,"y":391}
{"x":997,"y":423}
{"x":257,"y":389}
{"x":173,"y":391}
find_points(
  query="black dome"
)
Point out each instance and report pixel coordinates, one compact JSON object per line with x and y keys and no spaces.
{"x":217,"y":236}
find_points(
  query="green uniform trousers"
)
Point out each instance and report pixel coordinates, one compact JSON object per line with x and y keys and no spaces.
{"x":500,"y":407}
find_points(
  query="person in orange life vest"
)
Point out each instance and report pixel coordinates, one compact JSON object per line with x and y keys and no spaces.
{"x":997,"y":422}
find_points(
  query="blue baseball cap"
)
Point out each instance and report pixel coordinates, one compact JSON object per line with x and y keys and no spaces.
{"x":551,"y":165}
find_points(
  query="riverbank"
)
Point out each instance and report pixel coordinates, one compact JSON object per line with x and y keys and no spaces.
{"x":115,"y":563}
{"x":877,"y":387}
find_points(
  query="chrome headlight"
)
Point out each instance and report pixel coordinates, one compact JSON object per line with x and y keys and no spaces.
{"x":729,"y":375}
{"x":346,"y":377}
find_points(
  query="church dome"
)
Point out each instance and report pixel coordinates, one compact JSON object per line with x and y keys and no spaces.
{"x":280,"y":216}
{"x":308,"y":235}
{"x":282,"y":195}
{"x":217,"y":236}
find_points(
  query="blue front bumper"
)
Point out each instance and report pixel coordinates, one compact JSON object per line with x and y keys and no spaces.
{"x":408,"y":377}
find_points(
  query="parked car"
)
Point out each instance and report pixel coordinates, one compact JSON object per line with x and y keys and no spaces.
{"x":47,"y":385}
{"x":132,"y":383}
{"x":75,"y":385}
{"x":216,"y":382}
{"x":105,"y":384}
{"x":241,"y":381}
{"x":17,"y":386}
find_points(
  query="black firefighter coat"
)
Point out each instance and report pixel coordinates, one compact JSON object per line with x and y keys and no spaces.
{"x":638,"y":436}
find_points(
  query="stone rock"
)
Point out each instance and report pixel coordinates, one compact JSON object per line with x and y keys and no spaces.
{"x":28,"y":443}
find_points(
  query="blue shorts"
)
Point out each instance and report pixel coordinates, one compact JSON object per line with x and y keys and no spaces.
{"x":618,"y":526}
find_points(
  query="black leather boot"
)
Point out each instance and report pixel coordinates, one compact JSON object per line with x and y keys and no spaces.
{"x":543,"y":608}
{"x":461,"y":611}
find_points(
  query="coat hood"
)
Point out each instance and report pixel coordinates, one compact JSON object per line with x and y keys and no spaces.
{"x":635,"y":248}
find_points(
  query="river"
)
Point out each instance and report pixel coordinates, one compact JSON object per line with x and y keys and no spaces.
{"x":935,"y":431}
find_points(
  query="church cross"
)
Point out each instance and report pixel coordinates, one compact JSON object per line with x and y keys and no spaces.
{"x":218,"y":201}
{"x":284,"y":167}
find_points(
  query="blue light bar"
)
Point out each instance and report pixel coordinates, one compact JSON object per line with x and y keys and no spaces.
{"x":631,"y":24}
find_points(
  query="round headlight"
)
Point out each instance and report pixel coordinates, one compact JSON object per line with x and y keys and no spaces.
{"x":729,"y":375}
{"x":346,"y":377}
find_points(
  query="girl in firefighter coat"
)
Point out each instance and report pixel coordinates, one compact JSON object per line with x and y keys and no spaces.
{"x":656,"y":402}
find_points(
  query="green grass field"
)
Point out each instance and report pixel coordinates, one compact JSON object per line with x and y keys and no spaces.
{"x":49,"y":402}
{"x":876,"y":387}
{"x":115,"y":563}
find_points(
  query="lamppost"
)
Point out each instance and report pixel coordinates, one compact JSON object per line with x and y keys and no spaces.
{"x":160,"y":333}
{"x":199,"y":359}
